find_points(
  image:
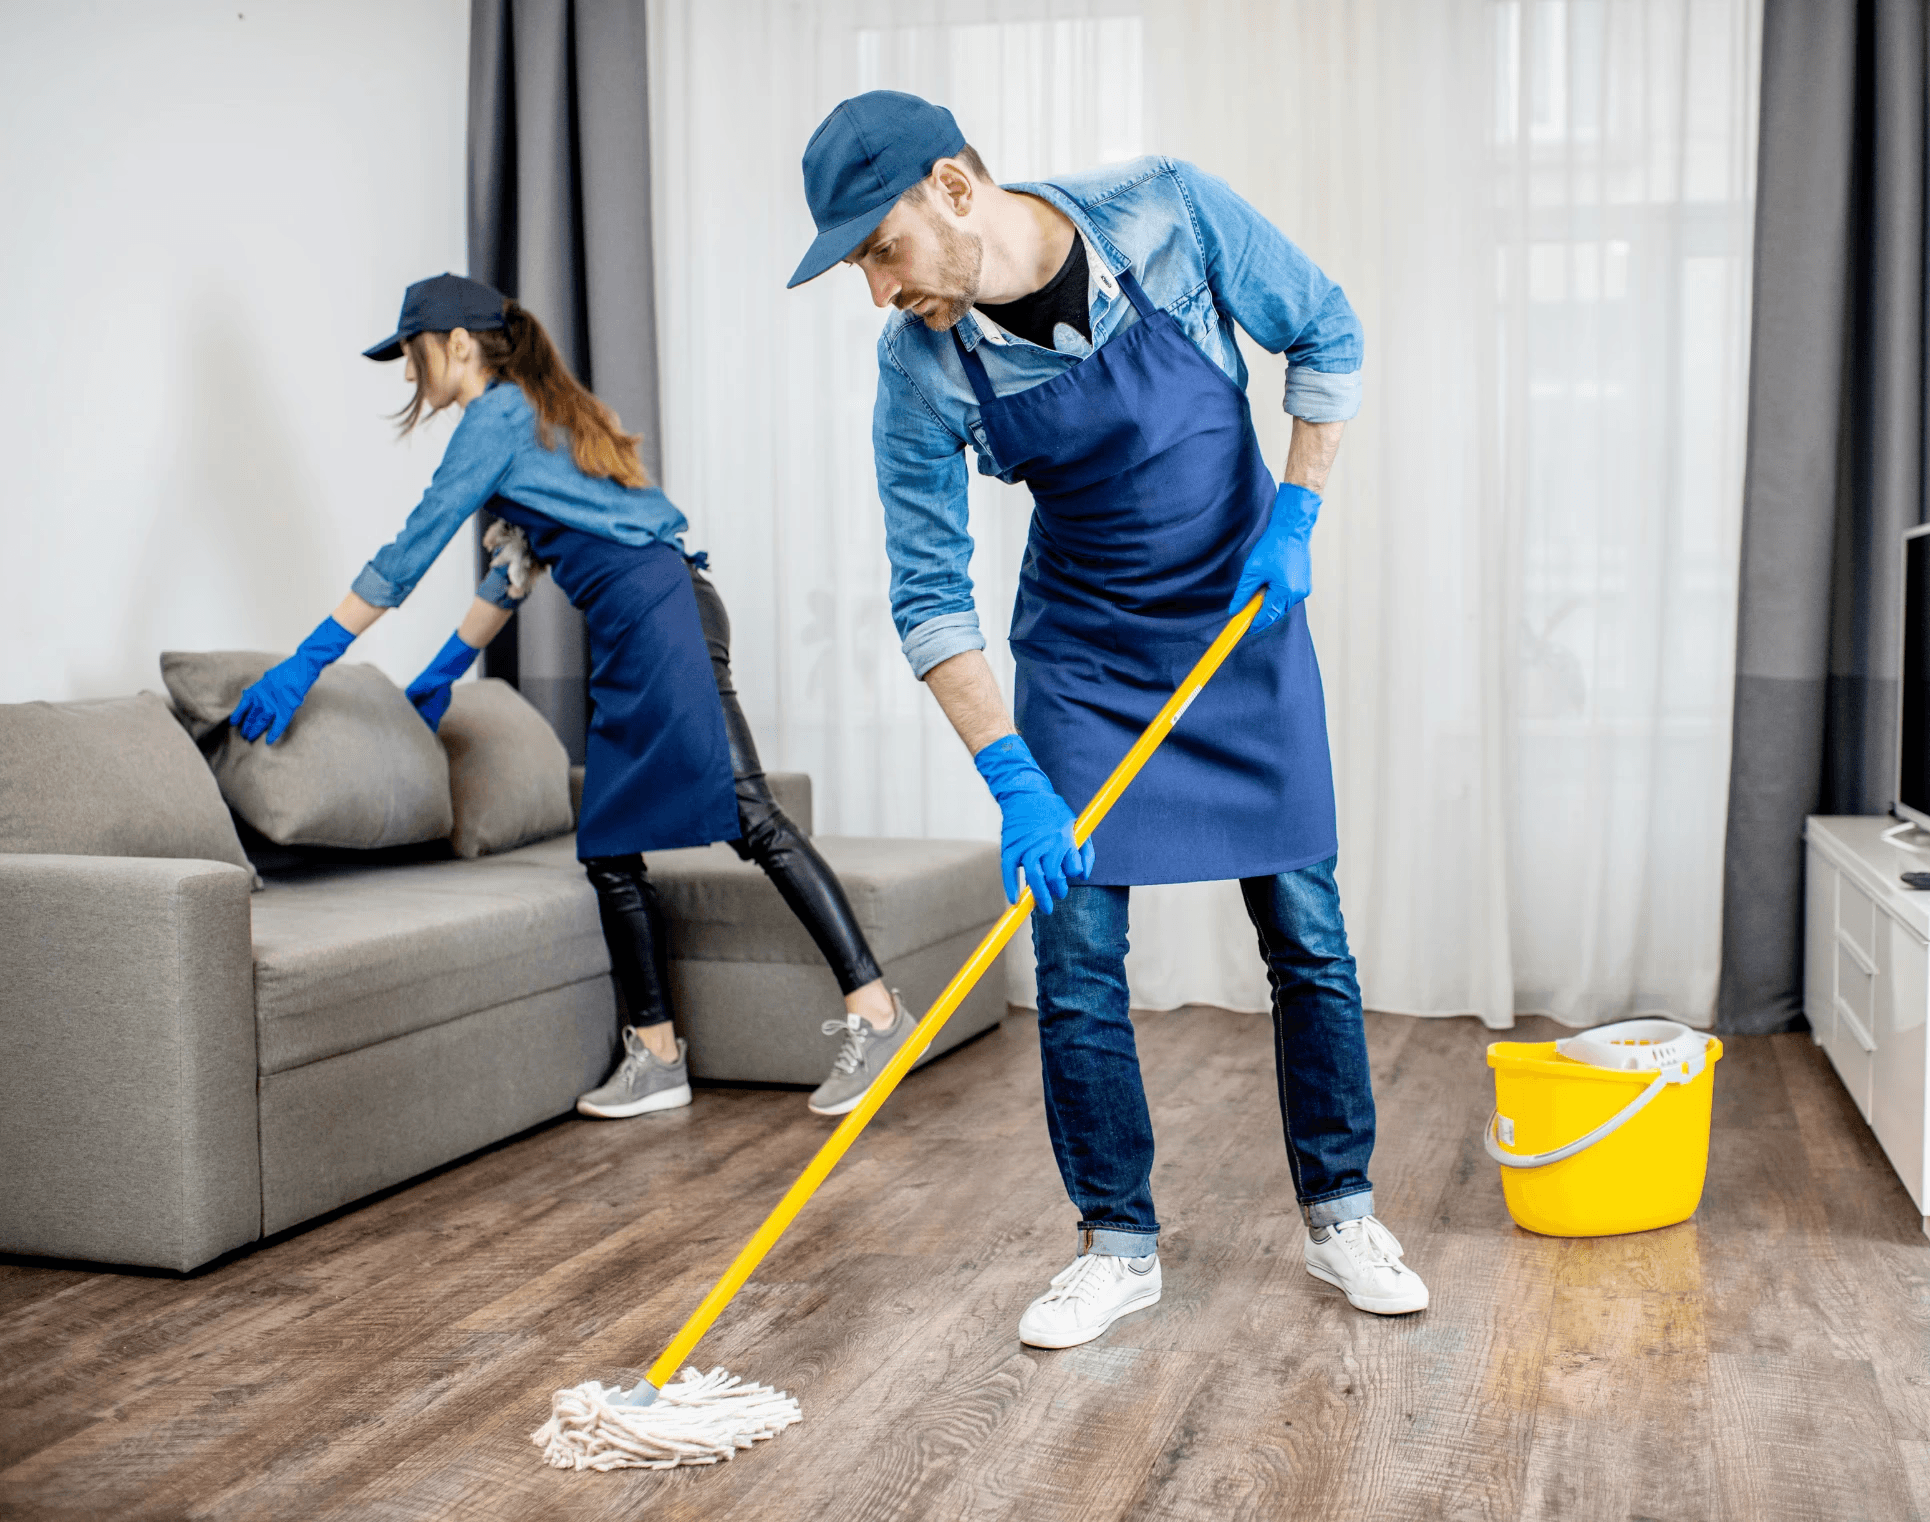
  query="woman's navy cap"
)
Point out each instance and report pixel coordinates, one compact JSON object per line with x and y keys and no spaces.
{"x":864,"y":155}
{"x":439,"y":304}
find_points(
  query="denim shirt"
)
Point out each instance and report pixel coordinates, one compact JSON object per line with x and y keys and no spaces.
{"x":495,"y":452}
{"x":1202,"y":255}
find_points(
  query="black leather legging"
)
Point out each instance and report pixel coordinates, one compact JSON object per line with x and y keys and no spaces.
{"x":633,"y":917}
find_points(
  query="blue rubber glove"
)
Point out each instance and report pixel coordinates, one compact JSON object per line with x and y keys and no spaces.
{"x":430,"y":691}
{"x":270,"y":704}
{"x":1037,"y":831}
{"x":1279,"y":560}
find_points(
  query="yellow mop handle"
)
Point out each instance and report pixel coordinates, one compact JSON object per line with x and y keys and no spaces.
{"x":961,"y":984}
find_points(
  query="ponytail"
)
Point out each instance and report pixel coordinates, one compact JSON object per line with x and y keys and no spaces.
{"x":521,"y":351}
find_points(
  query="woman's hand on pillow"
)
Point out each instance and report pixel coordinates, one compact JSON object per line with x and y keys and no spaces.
{"x":431,"y":692}
{"x":268,"y":707}
{"x":432,"y":701}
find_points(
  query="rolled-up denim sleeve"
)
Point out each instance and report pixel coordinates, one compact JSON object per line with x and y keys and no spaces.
{"x":478,"y":457}
{"x":922,"y":483}
{"x":1281,"y":297}
{"x":938,"y":639}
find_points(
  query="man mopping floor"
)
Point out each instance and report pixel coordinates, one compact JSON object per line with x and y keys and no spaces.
{"x":1077,"y":335}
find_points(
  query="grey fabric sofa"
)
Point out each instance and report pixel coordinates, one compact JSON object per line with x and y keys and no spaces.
{"x":186,"y":1066}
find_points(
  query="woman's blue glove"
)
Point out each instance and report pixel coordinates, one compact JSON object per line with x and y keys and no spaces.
{"x":270,"y":704}
{"x":1279,"y":560}
{"x":1037,"y":831}
{"x":430,"y":691}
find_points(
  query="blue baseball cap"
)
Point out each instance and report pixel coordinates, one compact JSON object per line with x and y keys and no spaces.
{"x":438,"y":305}
{"x":868,"y":152}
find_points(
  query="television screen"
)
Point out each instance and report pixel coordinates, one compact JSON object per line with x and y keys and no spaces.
{"x":1913,"y":724}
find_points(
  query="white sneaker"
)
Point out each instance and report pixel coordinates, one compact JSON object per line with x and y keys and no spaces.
{"x":1088,"y":1297}
{"x":1362,"y":1260}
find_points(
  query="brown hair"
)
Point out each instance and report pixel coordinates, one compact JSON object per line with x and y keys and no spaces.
{"x":521,"y":351}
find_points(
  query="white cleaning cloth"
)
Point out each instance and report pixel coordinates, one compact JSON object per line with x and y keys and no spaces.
{"x":695,"y":1419}
{"x":510,"y":552}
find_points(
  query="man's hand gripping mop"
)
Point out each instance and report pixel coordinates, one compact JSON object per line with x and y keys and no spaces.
{"x":702,"y":1418}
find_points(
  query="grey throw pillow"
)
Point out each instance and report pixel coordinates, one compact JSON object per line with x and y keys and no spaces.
{"x":509,"y":776}
{"x":357,"y":769}
{"x":111,"y":777}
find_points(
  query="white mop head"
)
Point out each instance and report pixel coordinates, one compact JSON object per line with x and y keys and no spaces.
{"x":695,"y":1419}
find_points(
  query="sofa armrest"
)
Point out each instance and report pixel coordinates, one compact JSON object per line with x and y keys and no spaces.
{"x":128,"y":1115}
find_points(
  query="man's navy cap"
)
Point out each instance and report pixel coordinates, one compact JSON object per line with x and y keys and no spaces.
{"x":864,"y":155}
{"x":439,"y":304}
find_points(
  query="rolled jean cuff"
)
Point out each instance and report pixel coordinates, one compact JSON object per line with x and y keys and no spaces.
{"x":1112,"y":1242}
{"x":1349,"y":1207}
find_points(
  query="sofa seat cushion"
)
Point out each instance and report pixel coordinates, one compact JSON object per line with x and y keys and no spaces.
{"x":349,"y":956}
{"x":907,"y":894}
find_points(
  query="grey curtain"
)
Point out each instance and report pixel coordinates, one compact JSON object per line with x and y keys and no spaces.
{"x":1835,"y":471}
{"x":559,"y":218}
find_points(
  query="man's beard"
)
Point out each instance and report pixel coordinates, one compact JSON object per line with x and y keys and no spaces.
{"x":960,"y":259}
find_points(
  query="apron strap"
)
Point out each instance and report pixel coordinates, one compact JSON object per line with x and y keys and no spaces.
{"x":975,"y":371}
{"x":1142,"y":303}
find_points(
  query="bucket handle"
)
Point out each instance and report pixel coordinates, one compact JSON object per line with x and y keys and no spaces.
{"x":1685,"y":1072}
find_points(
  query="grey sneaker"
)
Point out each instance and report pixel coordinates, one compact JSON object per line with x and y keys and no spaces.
{"x":641,"y":1083}
{"x":862,"y":1058}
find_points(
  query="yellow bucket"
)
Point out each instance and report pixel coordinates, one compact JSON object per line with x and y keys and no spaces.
{"x":1594,"y":1151}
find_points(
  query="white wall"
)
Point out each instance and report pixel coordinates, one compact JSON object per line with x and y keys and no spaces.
{"x":206,"y":212}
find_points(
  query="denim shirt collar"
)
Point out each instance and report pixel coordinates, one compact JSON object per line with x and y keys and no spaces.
{"x":1103,"y":260}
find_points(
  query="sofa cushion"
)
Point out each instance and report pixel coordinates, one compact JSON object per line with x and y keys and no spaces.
{"x":792,"y":790}
{"x":358,"y":768}
{"x":509,"y":776}
{"x":906,"y":895}
{"x":749,"y":986}
{"x":109,"y":777}
{"x":348,"y":956}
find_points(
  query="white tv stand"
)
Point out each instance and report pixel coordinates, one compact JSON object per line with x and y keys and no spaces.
{"x":1866,"y":978}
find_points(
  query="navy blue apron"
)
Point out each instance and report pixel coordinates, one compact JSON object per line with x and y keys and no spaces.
{"x":1148,"y":489}
{"x":656,"y":766}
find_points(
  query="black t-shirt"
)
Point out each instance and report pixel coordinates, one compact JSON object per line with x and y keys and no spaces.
{"x":1060,"y":299}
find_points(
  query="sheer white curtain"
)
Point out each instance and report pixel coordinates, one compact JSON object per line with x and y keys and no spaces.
{"x":1525,"y":574}
{"x":1525,"y":577}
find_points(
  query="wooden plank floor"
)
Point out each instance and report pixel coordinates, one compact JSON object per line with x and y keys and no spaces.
{"x":1769,"y":1359}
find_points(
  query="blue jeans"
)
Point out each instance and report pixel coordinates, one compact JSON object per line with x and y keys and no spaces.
{"x":1095,"y":1104}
